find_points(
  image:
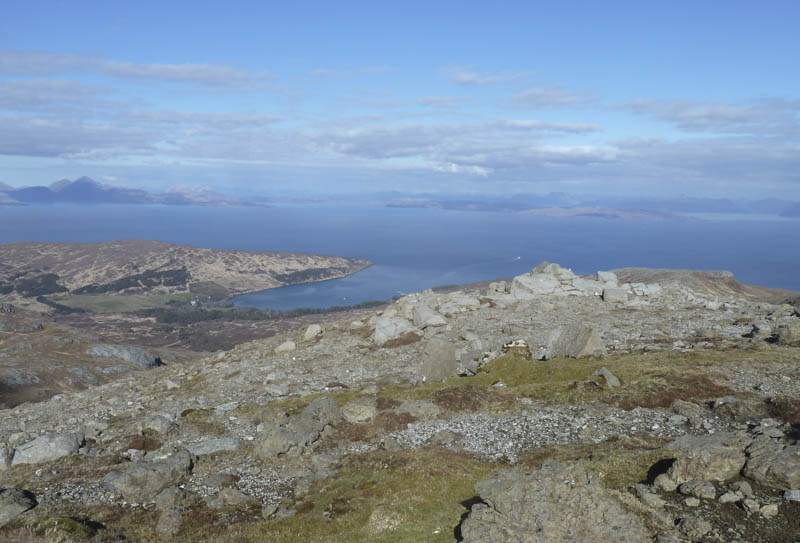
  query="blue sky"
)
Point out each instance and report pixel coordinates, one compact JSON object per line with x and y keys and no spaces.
{"x":690,"y":98}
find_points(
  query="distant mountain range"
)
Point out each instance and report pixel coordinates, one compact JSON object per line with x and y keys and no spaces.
{"x":89,"y":191}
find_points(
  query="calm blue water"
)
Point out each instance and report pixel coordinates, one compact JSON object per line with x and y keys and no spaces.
{"x":413,"y":249}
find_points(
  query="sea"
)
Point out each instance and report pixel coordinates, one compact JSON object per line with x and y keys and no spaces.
{"x":414,"y":249}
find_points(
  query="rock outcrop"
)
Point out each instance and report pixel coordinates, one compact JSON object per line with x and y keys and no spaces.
{"x":560,"y":502}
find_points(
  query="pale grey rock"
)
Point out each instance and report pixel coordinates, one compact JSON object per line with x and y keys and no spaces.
{"x":744,"y":488}
{"x":48,"y":447}
{"x":769,"y":510}
{"x":143,"y":481}
{"x":438,"y":361}
{"x":694,"y":528}
{"x":14,"y":502}
{"x":141,"y":358}
{"x":691,"y":502}
{"x":360,"y":410}
{"x":587,"y":287}
{"x":5,"y":457}
{"x":615,"y":295}
{"x":388,"y":328}
{"x":277,"y":389}
{"x":789,"y":334}
{"x":776,"y":468}
{"x":554,"y":504}
{"x":213,"y":446}
{"x":646,"y":289}
{"x":158,"y":423}
{"x":611,"y":380}
{"x":792,"y":495}
{"x":751,"y":505}
{"x":716,"y":457}
{"x":664,"y":483}
{"x":229,"y":497}
{"x":574,"y":341}
{"x":172,"y":384}
{"x":458,"y":302}
{"x":425,"y":317}
{"x":731,"y":497}
{"x":610,"y":278}
{"x":648,"y":498}
{"x":299,"y":432}
{"x":531,"y":286}
{"x":420,"y":409}
{"x":356,"y":325}
{"x":312,"y":332}
{"x":698,"y":489}
{"x":285,"y":347}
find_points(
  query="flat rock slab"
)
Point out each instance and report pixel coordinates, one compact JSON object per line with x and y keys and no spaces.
{"x":47,"y":447}
{"x":557,"y":503}
{"x":574,"y":341}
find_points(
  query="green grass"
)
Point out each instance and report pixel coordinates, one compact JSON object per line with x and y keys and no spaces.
{"x":104,"y":303}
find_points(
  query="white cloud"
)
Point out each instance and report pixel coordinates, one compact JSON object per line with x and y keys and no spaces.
{"x":29,"y":63}
{"x":549,"y":97}
{"x":468,"y":77}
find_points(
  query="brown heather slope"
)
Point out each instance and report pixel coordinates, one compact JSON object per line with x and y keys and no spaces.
{"x":218,"y":272}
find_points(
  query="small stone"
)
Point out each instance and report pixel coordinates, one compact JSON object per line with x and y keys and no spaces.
{"x":694,"y":528}
{"x":698,"y":489}
{"x":792,"y":495}
{"x":730,"y":497}
{"x":648,"y":498}
{"x":665,"y":483}
{"x":268,"y":510}
{"x":611,"y":380}
{"x":285,"y":347}
{"x":744,"y":488}
{"x":172,"y":384}
{"x":770,"y":510}
{"x":312,"y":332}
{"x":750,"y":505}
{"x":691,"y":502}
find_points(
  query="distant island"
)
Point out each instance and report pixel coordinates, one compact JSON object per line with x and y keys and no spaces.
{"x":37,"y":275}
{"x":604,"y":213}
{"x":88,"y":191}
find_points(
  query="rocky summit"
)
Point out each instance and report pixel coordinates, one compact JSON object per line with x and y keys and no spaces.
{"x":630,"y":405}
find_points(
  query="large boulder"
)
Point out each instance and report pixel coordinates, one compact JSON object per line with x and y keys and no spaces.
{"x":298,"y":433}
{"x":14,"y":502}
{"x":439,"y":361}
{"x":778,"y":467}
{"x":716,"y":457}
{"x":574,"y":341}
{"x":533,"y":285}
{"x":143,"y":481}
{"x":141,"y":358}
{"x":48,"y":447}
{"x":425,"y":317}
{"x":388,"y":328}
{"x":559,"y":502}
{"x":789,"y":334}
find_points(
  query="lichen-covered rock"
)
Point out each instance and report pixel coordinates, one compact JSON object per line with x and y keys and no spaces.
{"x":143,"y":481}
{"x":574,"y":341}
{"x":299,"y":432}
{"x":439,"y":361}
{"x":716,"y":457}
{"x":560,"y":502}
{"x":14,"y":502}
{"x":48,"y":447}
{"x":389,"y":327}
{"x":778,"y":467}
